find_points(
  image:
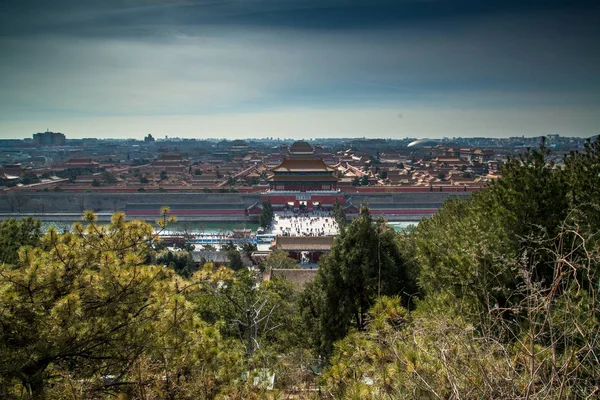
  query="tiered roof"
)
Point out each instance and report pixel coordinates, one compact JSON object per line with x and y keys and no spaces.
{"x":301,"y":147}
{"x":303,"y":178}
{"x":312,"y":165}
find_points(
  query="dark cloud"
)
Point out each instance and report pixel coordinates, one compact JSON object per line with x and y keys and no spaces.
{"x":147,"y":17}
{"x":98,"y":58}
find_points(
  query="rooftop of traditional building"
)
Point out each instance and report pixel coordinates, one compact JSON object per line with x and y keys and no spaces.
{"x":303,"y":243}
{"x":312,"y":165}
{"x":303,"y":178}
{"x":301,"y":147}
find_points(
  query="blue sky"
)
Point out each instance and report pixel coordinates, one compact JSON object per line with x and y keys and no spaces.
{"x":299,"y":69}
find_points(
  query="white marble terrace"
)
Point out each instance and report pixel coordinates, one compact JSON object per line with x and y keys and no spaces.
{"x":313,"y":223}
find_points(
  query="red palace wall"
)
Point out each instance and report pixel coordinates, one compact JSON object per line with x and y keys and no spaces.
{"x":409,"y":189}
{"x":187,"y":212}
{"x":282,"y":200}
{"x":303,"y":187}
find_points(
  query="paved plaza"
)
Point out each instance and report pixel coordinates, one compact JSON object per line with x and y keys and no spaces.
{"x":313,"y":223}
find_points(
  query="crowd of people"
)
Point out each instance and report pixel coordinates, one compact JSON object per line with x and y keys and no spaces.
{"x":304,"y":223}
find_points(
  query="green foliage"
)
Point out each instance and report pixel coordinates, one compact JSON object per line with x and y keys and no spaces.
{"x":73,"y":173}
{"x":180,"y":261}
{"x":95,"y":182}
{"x":517,"y":266}
{"x":228,"y":246}
{"x":74,"y":284}
{"x":15,"y":233}
{"x":262,"y":316}
{"x":249,"y":247}
{"x":266,"y":214}
{"x":144,"y":179}
{"x":28,"y":178}
{"x":533,"y":193}
{"x":82,"y":306}
{"x":139,"y":161}
{"x":402,"y":357}
{"x":279,"y":259}
{"x":462,"y":251}
{"x":365,"y":262}
{"x":109,"y":178}
{"x":435,"y":353}
{"x":163,"y":175}
{"x":338,"y":214}
{"x":582,"y":175}
{"x":235,"y":259}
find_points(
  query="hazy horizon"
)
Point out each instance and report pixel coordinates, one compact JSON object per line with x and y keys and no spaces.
{"x":299,"y":69}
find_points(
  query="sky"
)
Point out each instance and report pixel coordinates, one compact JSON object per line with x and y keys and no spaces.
{"x":299,"y":69}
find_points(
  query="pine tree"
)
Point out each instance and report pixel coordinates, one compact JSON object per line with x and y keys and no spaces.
{"x":266,"y":214}
{"x":364,"y":263}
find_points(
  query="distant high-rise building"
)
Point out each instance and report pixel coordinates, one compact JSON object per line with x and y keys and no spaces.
{"x":149,"y":139}
{"x":49,"y":139}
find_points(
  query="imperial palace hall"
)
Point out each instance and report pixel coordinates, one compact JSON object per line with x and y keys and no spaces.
{"x":303,"y":180}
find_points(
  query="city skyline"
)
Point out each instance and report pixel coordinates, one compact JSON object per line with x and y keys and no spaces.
{"x":338,"y":68}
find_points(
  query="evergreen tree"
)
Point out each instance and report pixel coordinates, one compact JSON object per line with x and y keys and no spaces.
{"x":532,"y":192}
{"x":582,"y":176}
{"x":279,"y":259}
{"x":86,"y":302}
{"x":338,"y":214}
{"x":364,"y":263}
{"x":266,"y":214}
{"x":235,"y":259}
{"x":180,"y":261}
{"x":15,"y":233}
{"x":109,"y":177}
{"x":83,"y":317}
{"x":463,"y":250}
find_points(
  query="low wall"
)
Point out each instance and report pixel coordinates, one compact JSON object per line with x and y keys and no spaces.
{"x":405,"y":200}
{"x":43,"y":203}
{"x":54,"y":202}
